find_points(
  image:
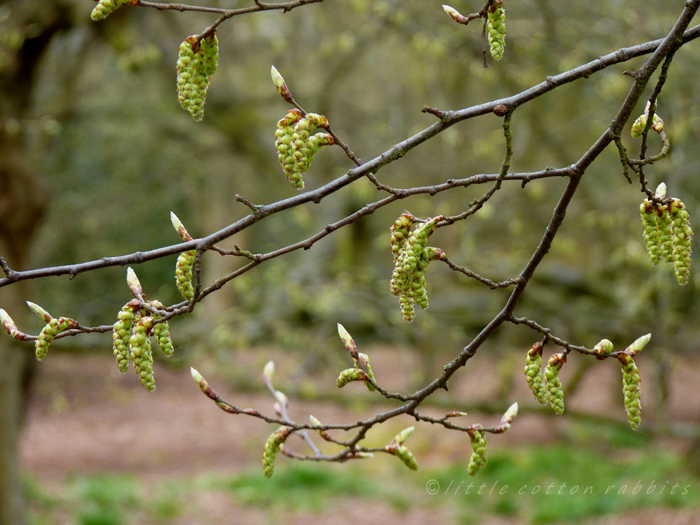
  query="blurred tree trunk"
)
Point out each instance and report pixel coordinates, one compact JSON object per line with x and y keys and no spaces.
{"x":23,"y":201}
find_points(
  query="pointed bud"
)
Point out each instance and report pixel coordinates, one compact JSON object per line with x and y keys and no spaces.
{"x":402,"y":436}
{"x":179,"y":228}
{"x":455,"y":15}
{"x":315,"y":422}
{"x":11,"y":327}
{"x":196,"y":376}
{"x":268,"y":373}
{"x":637,"y":346}
{"x":133,"y":282}
{"x":40,"y":312}
{"x":284,"y":402}
{"x":281,"y":85}
{"x":661,"y":191}
{"x":348,"y":342}
{"x":510,"y":414}
{"x":455,"y":414}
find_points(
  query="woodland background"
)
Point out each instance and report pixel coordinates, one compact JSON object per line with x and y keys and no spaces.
{"x":97,"y":150}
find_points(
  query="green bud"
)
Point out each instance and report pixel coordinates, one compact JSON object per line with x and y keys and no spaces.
{"x":402,"y":436}
{"x":179,"y":228}
{"x":637,"y":346}
{"x":455,"y":15}
{"x":603,"y":348}
{"x":133,"y":282}
{"x":11,"y":327}
{"x":40,"y":312}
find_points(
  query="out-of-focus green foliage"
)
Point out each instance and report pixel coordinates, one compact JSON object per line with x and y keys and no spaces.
{"x":123,"y":155}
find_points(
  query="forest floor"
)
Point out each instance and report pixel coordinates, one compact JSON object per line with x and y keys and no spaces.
{"x":87,"y":420}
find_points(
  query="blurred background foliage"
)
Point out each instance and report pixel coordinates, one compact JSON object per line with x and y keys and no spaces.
{"x":117,"y":154}
{"x":99,"y":121}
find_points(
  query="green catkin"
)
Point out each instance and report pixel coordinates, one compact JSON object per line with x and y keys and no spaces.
{"x":49,"y":332}
{"x":496,"y":29}
{"x":140,"y":352}
{"x":406,"y":456}
{"x":665,"y":229}
{"x":410,"y":262}
{"x":397,"y":448}
{"x":533,"y":373}
{"x":631,"y":387}
{"x":195,"y":65}
{"x":104,"y":8}
{"x":478,"y":458}
{"x":652,"y":235}
{"x":161,"y":331}
{"x":183,"y":274}
{"x":555,"y":393}
{"x":120,"y":336}
{"x":270,"y":451}
{"x":350,"y":374}
{"x":296,"y":147}
{"x":682,"y":240}
{"x":399,"y":232}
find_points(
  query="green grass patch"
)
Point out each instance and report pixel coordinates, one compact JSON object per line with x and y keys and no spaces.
{"x":310,"y":487}
{"x":566,"y":484}
{"x":545,"y":484}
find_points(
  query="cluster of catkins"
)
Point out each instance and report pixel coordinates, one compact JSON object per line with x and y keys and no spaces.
{"x":296,"y":147}
{"x":496,"y":29}
{"x":196,"y":63}
{"x":545,"y":386}
{"x":411,"y":259}
{"x":667,"y":233}
{"x":104,"y":8}
{"x":131,"y":339}
{"x":548,"y":389}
